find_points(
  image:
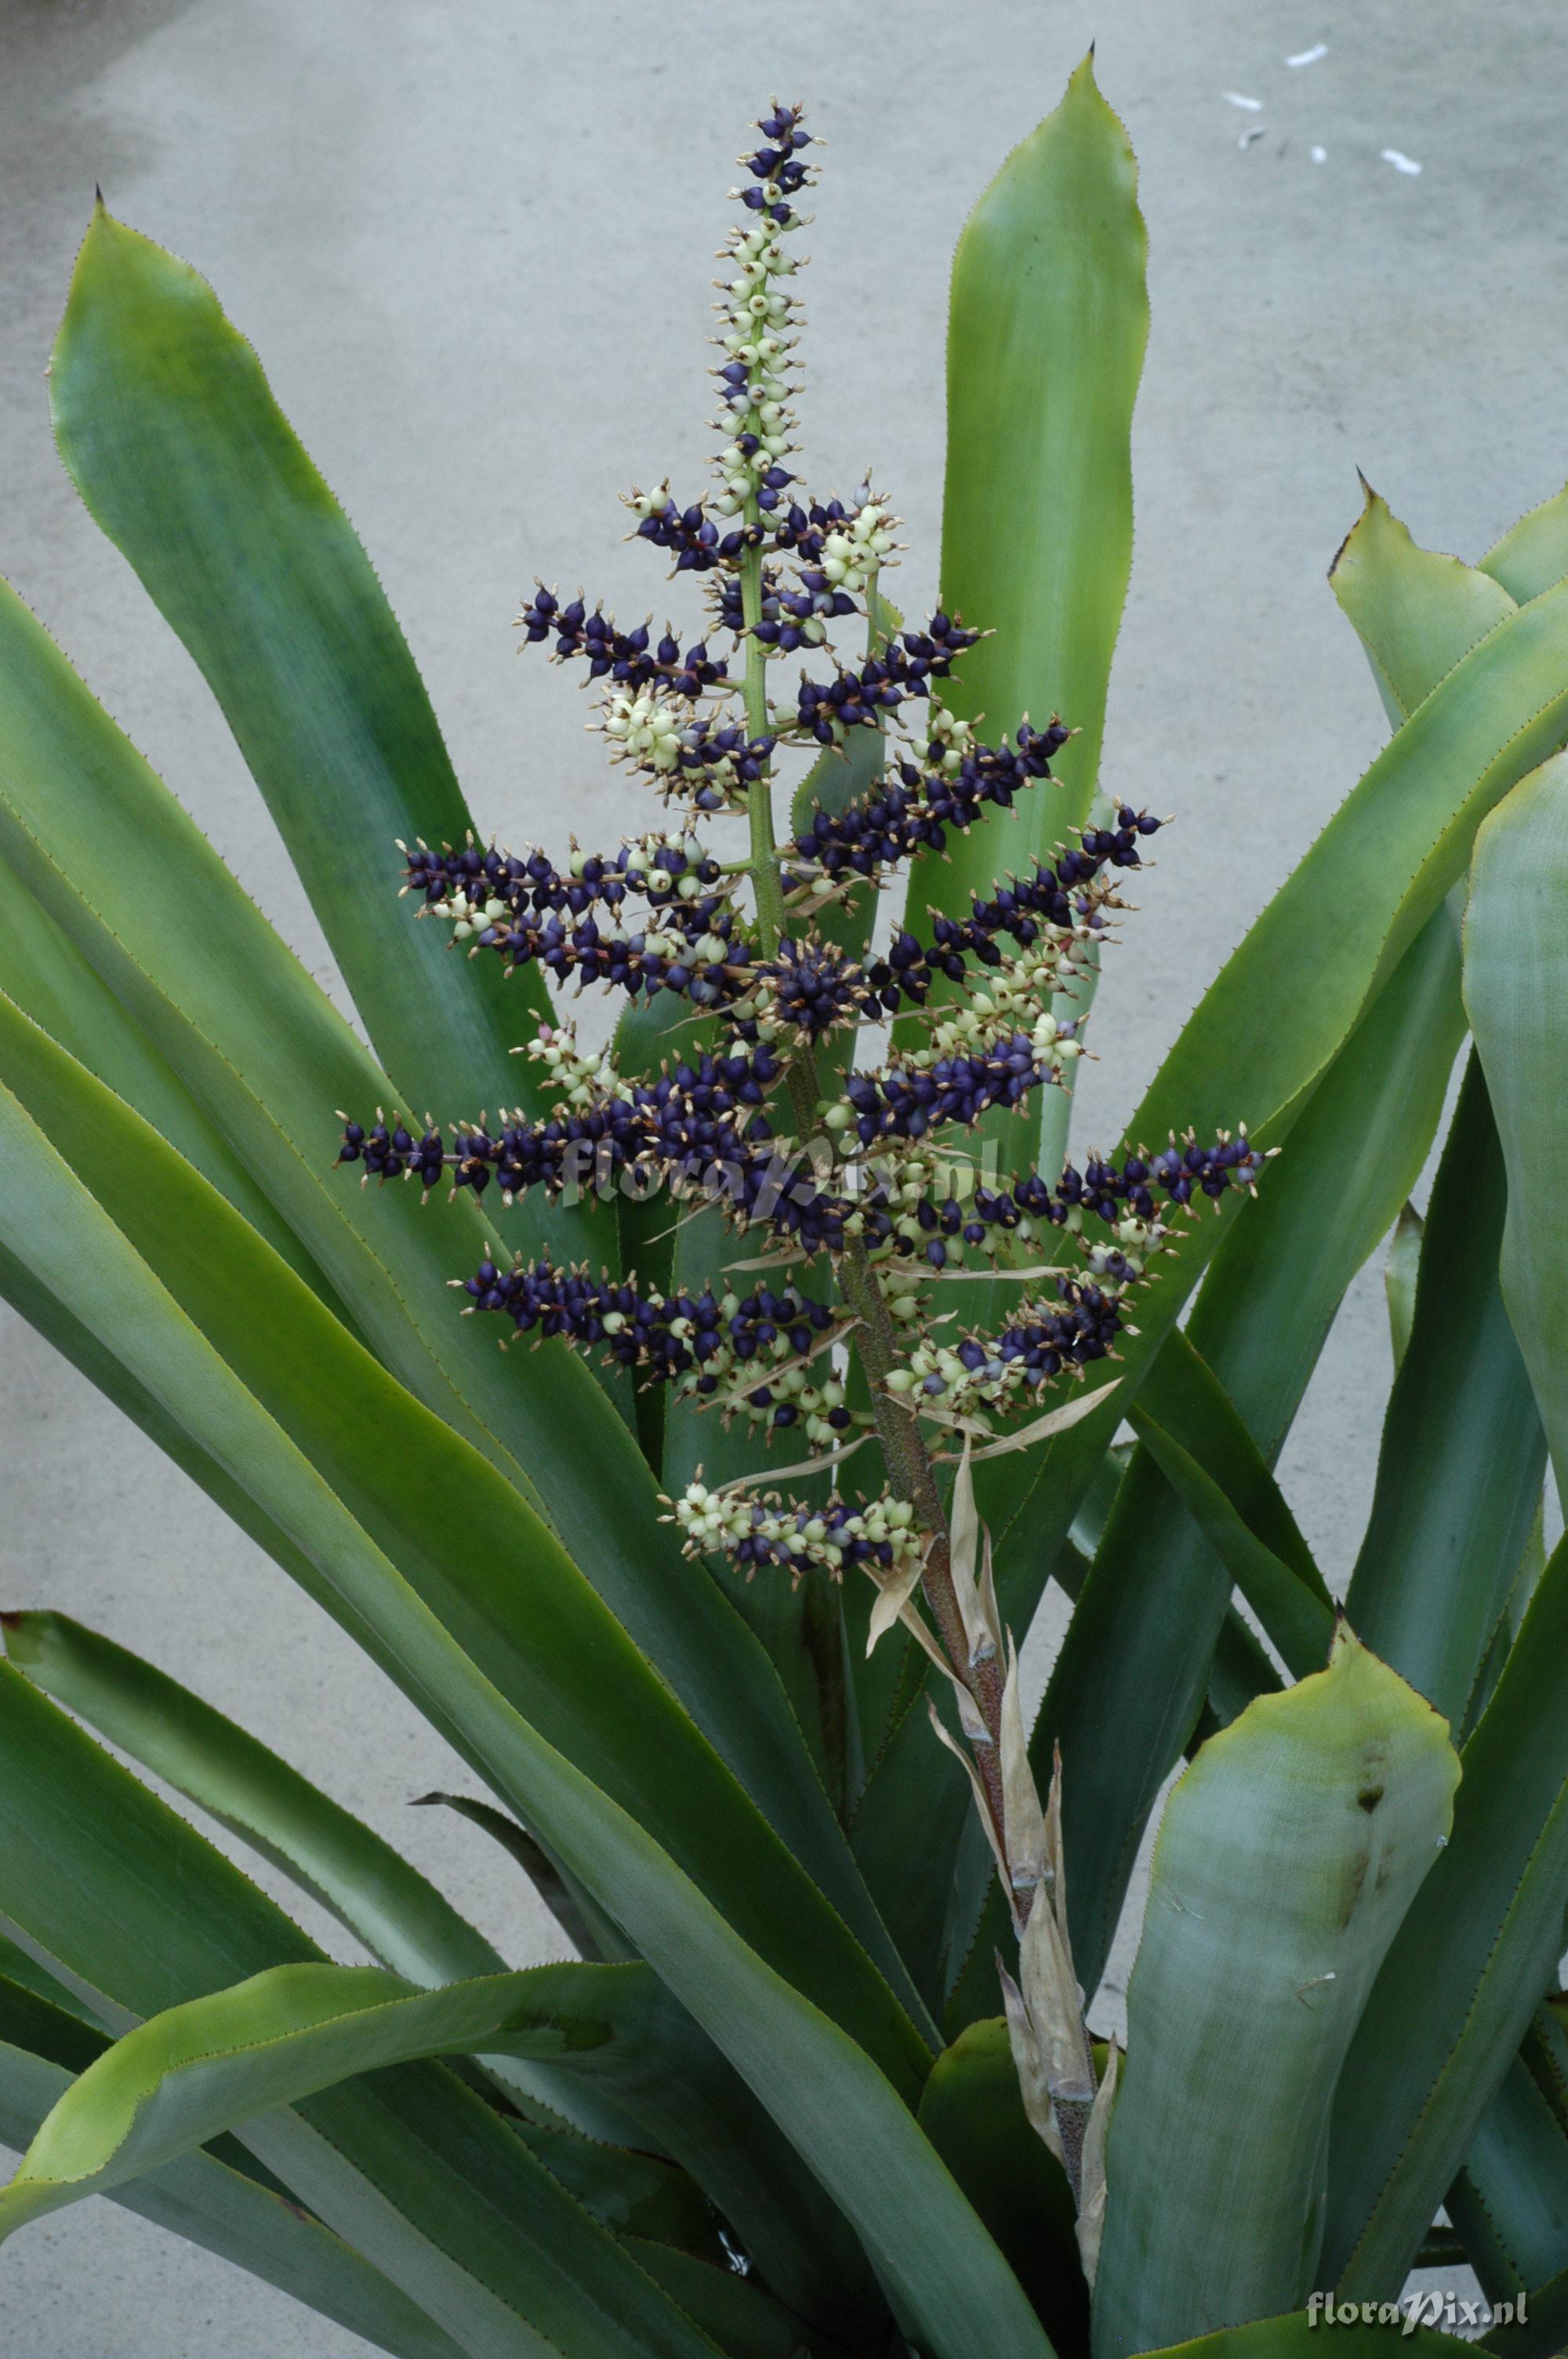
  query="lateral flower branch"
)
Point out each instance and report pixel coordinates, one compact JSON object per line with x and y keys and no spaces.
{"x":855,"y":1171}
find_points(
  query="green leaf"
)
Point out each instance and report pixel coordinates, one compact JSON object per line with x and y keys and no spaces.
{"x":972,"y":2111}
{"x":286,"y":1059}
{"x":1417,"y":613}
{"x":1510,"y":2202}
{"x":51,"y":981}
{"x":908,"y":1829}
{"x":664,"y":2076}
{"x":185,"y":2076}
{"x":1526,"y":1581}
{"x":199,"y":2070}
{"x":1047,"y":323}
{"x":1212,"y":1464}
{"x":590,"y":1933}
{"x":1545,"y":2050}
{"x":1265,"y":1033}
{"x":1511,"y":2198}
{"x":642,"y":2048}
{"x":1399,"y":1267}
{"x":136,"y":1913}
{"x":45,"y":2025}
{"x":1305,"y":1829}
{"x":1140,"y":1652}
{"x":172,"y":437}
{"x":1463,"y":1978}
{"x":360,"y":1479}
{"x":1516,"y":975}
{"x":138,"y":890}
{"x":1463,"y":1453}
{"x":78,"y":1343}
{"x":1545,"y":2332}
{"x":1326,"y":1202}
{"x":226,"y":2211}
{"x":402,"y":1920}
{"x":1532,"y":555}
{"x":1256,"y":1048}
{"x":1268,"y":1028}
{"x":825,"y":2093}
{"x":738,"y":2315}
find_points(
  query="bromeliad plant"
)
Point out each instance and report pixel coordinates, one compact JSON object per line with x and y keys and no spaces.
{"x":820,"y":2080}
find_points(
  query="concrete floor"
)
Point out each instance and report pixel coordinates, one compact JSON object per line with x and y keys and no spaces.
{"x":471,"y":244}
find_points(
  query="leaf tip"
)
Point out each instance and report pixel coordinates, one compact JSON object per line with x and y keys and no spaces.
{"x":1371,"y":502}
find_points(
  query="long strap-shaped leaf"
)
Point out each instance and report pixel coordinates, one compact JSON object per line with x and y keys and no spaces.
{"x":49,"y":979}
{"x":1509,"y":2203}
{"x":189,"y":2074}
{"x":227,"y":2211}
{"x":1258,"y":1045}
{"x":596,"y":1483}
{"x":401,"y":1918}
{"x":361,"y":1478}
{"x":1513,"y":952}
{"x":1314,"y":961}
{"x":1282,"y":1270}
{"x":837,"y":2108}
{"x":131,"y":881}
{"x":133,"y":1911}
{"x":139,"y":889}
{"x":1047,"y":323}
{"x":261,"y":2230}
{"x":174,"y":440}
{"x":1416,"y":611}
{"x":1273,"y":1287}
{"x":1516,"y":988}
{"x":78,"y":1343}
{"x":744,"y":2320}
{"x":1532,"y":554}
{"x":1312,"y":1820}
{"x":1196,"y":1439}
{"x":1462,"y":1452}
{"x":1426,"y":1586}
{"x":1144,"y":1628}
{"x":647,"y":2058}
{"x":1461,"y":1982}
{"x":972,"y":2111}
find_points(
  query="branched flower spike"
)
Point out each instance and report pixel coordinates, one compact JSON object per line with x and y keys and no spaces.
{"x":865,"y":1168}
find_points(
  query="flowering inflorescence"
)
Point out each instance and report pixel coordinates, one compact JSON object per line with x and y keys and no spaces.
{"x":576,"y":921}
{"x":1041,"y":1343}
{"x":912,"y":812}
{"x":749,"y":1356}
{"x":632,"y":659}
{"x":1069,"y":895}
{"x":880,"y":1534}
{"x":904,"y":667}
{"x":764,"y":1110}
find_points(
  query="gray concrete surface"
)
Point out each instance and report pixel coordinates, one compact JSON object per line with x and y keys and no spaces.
{"x":471,"y":244}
